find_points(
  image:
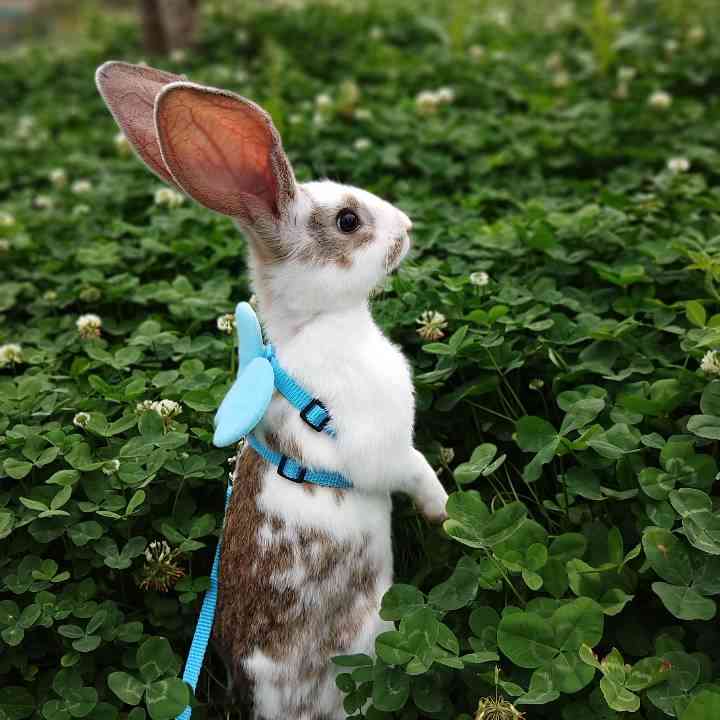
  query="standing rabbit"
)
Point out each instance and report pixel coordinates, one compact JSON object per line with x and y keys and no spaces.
{"x":304,"y":567}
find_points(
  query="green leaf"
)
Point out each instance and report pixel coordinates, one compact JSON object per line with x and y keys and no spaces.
{"x":392,"y":648}
{"x":401,"y":600}
{"x":503,"y":523}
{"x":684,"y":602}
{"x":126,"y":687}
{"x":618,"y":697}
{"x":533,"y":433}
{"x":705,"y":426}
{"x":165,"y":699}
{"x":695,"y":314}
{"x":155,"y":658}
{"x":541,"y":690}
{"x":577,"y":622}
{"x":668,"y":556}
{"x":357,"y":660}
{"x":391,"y":688}
{"x":703,"y":706}
{"x":16,"y":703}
{"x":580,"y":414}
{"x":527,"y":639}
{"x":17,"y":469}
{"x":459,"y":589}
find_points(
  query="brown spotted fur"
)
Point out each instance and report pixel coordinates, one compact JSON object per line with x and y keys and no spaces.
{"x":254,"y":613}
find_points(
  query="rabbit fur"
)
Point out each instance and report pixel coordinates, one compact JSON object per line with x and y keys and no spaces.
{"x":303,"y":567}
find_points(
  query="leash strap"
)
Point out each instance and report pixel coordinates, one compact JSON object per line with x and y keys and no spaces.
{"x":312,"y":411}
{"x":291,"y":469}
{"x":204,"y":623}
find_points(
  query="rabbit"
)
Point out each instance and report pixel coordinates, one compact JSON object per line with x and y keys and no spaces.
{"x":303,"y":567}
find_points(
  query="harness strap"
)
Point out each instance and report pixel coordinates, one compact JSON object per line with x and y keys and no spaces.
{"x":292,"y":470}
{"x":312,"y":411}
{"x":204,"y":623}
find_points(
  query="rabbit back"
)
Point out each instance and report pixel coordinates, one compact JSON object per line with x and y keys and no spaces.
{"x":293,"y":595}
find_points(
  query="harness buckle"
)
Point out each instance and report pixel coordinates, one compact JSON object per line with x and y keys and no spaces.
{"x":306,"y":410}
{"x":300,"y":478}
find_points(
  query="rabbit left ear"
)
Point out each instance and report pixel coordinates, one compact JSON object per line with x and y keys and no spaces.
{"x":130,"y":92}
{"x":224,"y":151}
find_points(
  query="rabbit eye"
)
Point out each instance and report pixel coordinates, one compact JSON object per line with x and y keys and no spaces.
{"x":347,"y":221}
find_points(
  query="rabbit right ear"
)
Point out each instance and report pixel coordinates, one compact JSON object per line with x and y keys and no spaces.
{"x":130,"y":92}
{"x":224,"y":151}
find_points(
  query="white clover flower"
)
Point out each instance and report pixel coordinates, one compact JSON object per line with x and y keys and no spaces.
{"x":80,"y":209}
{"x":4,"y":246}
{"x":318,"y":120}
{"x":169,"y":197}
{"x":10,"y":354}
{"x":678,"y":165}
{"x":561,"y":79}
{"x":622,"y":91}
{"x":376,"y":33}
{"x":80,"y":187}
{"x":710,"y":364}
{"x":44,"y":202}
{"x":226,"y":323}
{"x":671,"y":46}
{"x":476,"y":52}
{"x":445,"y":95}
{"x":144,"y":406}
{"x":696,"y":34}
{"x":58,"y":177}
{"x":161,"y":570}
{"x":660,"y":100}
{"x":363,"y":114}
{"x":426,"y":102}
{"x":157,"y":550}
{"x":89,"y":325}
{"x":554,"y":61}
{"x":432,"y":324}
{"x":25,"y":127}
{"x":480,"y":279}
{"x":81,"y":419}
{"x":167,"y":408}
{"x":122,"y":144}
{"x":6,"y":219}
{"x":626,"y":73}
{"x":500,"y":17}
{"x":447,"y":455}
{"x":50,"y":296}
{"x":323,"y":101}
{"x":178,"y":55}
{"x":362,"y":144}
{"x":295,"y":119}
{"x":110,"y":467}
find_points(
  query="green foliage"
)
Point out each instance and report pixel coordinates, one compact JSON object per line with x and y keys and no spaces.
{"x":561,"y":394}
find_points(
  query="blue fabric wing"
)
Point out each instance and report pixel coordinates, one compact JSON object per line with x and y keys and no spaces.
{"x":250,"y":344}
{"x":247,"y":400}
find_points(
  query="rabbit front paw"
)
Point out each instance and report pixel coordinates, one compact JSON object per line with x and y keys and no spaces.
{"x":433,"y":507}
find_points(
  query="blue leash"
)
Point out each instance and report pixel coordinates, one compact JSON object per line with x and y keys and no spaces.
{"x":241,"y":410}
{"x":204,"y":623}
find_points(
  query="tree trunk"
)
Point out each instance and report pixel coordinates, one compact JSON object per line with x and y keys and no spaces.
{"x":169,"y":24}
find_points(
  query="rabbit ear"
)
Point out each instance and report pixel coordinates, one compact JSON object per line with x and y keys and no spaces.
{"x":224,"y":151}
{"x":130,"y":92}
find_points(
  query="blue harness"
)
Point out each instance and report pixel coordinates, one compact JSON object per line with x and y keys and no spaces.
{"x":259,"y":375}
